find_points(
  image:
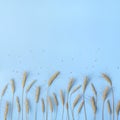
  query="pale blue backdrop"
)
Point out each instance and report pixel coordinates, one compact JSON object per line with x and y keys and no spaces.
{"x":77,"y":38}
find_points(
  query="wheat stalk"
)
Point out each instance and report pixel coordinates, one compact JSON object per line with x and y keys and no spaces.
{"x":104,"y":96}
{"x":85,"y":83}
{"x":75,"y":102}
{"x":13,"y":91}
{"x":27,"y":108}
{"x":63,"y":101}
{"x":50,"y":81}
{"x":23,"y":85}
{"x":93,"y":103}
{"x":18,"y":106}
{"x":107,"y":78}
{"x":6,"y":111}
{"x":56,"y":103}
{"x":118,"y":109}
{"x":37,"y":95}
{"x":80,"y":108}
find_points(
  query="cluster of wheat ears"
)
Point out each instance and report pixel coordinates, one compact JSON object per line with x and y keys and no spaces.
{"x":51,"y":103}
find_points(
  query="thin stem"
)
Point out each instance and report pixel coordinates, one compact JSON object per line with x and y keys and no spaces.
{"x":117,"y":117}
{"x":56,"y":113}
{"x":70,"y":103}
{"x":73,"y":114}
{"x":18,"y":116}
{"x":84,"y":108}
{"x":36,"y":111}
{"x":103,"y":110}
{"x":62,"y":112}
{"x":43,"y":117}
{"x":22,"y":102}
{"x":51,"y":115}
{"x":12,"y":106}
{"x":112,"y":104}
{"x":95,"y":116}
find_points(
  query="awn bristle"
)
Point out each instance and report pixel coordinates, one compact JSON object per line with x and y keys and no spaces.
{"x":43,"y":105}
{"x":118,"y":108}
{"x":105,"y":93}
{"x":80,"y":107}
{"x":18,"y":104}
{"x":6,"y":111}
{"x":93,"y":89}
{"x":27,"y":105}
{"x":76,"y":88}
{"x":109,"y":107}
{"x":24,"y":79}
{"x":37,"y":94}
{"x":55,"y":99}
{"x":85,"y":84}
{"x":76,"y":101}
{"x":30,"y":86}
{"x":62,"y":97}
{"x":52,"y":78}
{"x":93,"y":105}
{"x":107,"y":78}
{"x":70,"y":84}
{"x":12,"y":86}
{"x":50,"y":103}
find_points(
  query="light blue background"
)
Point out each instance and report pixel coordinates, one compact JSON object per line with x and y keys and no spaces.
{"x":77,"y":38}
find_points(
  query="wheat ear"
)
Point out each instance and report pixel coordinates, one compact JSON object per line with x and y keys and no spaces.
{"x":56,"y":103}
{"x":109,"y":108}
{"x":6,"y":111}
{"x":118,"y":109}
{"x":63,"y":101}
{"x":43,"y":107}
{"x":107,"y":78}
{"x":18,"y":106}
{"x":52,"y":78}
{"x":104,"y":96}
{"x":13,"y":91}
{"x":30,"y":86}
{"x":93,"y":103}
{"x":27,"y":108}
{"x":23,"y":85}
{"x":37,"y":95}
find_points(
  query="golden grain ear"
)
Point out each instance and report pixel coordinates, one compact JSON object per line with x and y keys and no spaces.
{"x":85,"y":83}
{"x":18,"y":104}
{"x":24,"y":79}
{"x":6,"y":111}
{"x":53,"y":77}
{"x":12,"y":86}
{"x":43,"y":105}
{"x":109,"y":107}
{"x":107,"y":78}
{"x":37,"y":94}
{"x":93,"y":103}
{"x":62,"y":97}
{"x":55,"y":99}
{"x":4,"y":90}
{"x":30,"y":86}
{"x":76,"y":100}
{"x":50,"y":103}
{"x":70,"y":84}
{"x":93,"y":89}
{"x":80,"y":107}
{"x":105,"y":93}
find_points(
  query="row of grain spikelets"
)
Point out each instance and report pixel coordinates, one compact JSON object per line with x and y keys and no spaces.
{"x":51,"y":102}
